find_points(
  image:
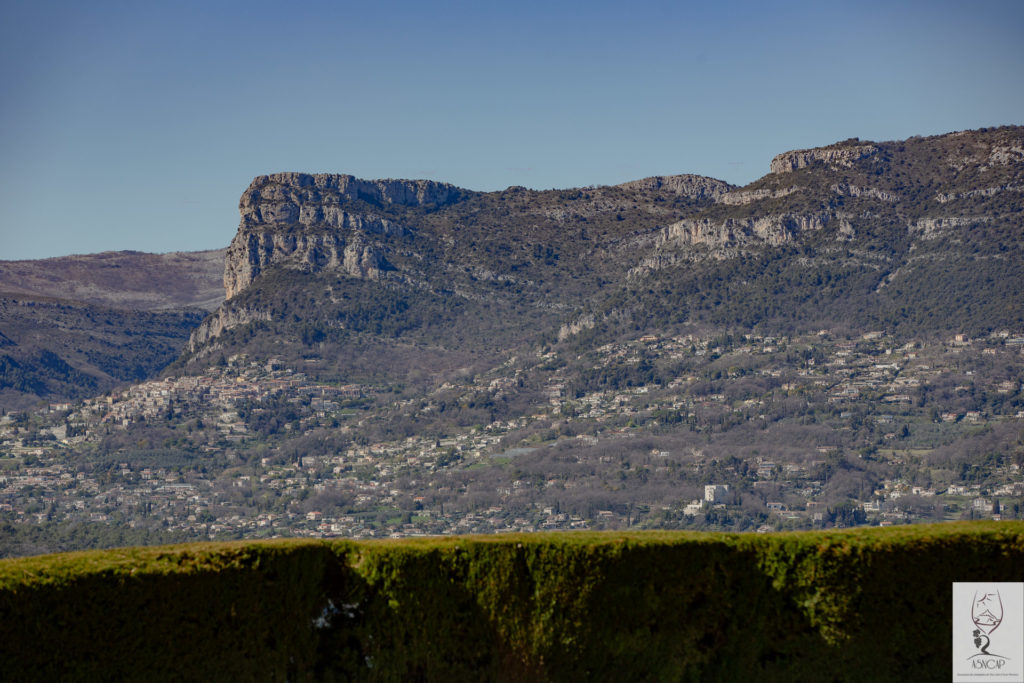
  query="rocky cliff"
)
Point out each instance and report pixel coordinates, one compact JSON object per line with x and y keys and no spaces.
{"x":899,"y":192}
{"x":322,"y":221}
{"x":382,"y":278}
{"x":532,"y":252}
{"x":881,"y":234}
{"x":337,"y":222}
{"x":843,"y":155}
{"x":688,"y":185}
{"x":773,"y":230}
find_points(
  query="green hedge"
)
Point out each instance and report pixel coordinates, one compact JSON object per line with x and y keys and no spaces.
{"x":861,"y":605}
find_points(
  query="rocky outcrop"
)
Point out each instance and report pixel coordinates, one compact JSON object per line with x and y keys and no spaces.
{"x":931,"y":228}
{"x":1006,"y":154}
{"x":325,"y":189}
{"x":848,"y":190}
{"x":314,"y":222}
{"x":224,"y":318}
{"x":322,"y":221}
{"x":696,"y":186}
{"x":772,"y":230}
{"x":724,"y":237}
{"x":945,"y":197}
{"x":750,"y":196}
{"x":744,"y":197}
{"x":836,"y":156}
{"x":584,"y":322}
{"x":252,"y":252}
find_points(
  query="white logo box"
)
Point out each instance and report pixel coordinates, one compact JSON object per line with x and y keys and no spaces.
{"x":988,"y":632}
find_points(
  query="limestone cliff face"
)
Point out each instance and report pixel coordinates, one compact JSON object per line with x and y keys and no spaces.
{"x":688,"y":185}
{"x":322,"y":221}
{"x":773,"y":230}
{"x":946,"y":197}
{"x":314,"y":222}
{"x":327,"y":188}
{"x":936,"y":227}
{"x":743,"y":197}
{"x":558,"y":252}
{"x":584,"y":322}
{"x":837,"y":156}
{"x":252,"y":252}
{"x":224,"y":318}
{"x":722,"y":238}
{"x":848,"y":190}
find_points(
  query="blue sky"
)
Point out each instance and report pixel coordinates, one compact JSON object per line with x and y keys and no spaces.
{"x":136,"y":125}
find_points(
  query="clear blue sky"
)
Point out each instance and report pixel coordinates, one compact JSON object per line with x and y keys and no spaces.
{"x":137,"y":125}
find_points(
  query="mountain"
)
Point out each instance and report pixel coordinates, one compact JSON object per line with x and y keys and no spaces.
{"x":79,"y":325}
{"x":378,"y":279}
{"x":838,"y":343}
{"x":391,"y":279}
{"x":126,"y":280}
{"x":400,"y":280}
{"x":57,"y":350}
{"x":916,"y":237}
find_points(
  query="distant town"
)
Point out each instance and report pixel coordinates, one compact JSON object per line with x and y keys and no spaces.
{"x":744,"y":433}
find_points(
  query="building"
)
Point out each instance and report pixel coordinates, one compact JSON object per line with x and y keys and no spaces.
{"x":716,"y":493}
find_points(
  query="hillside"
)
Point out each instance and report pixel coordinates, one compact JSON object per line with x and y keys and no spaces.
{"x":58,"y":350}
{"x":360,"y":280}
{"x":128,"y":280}
{"x":77,"y":326}
{"x":836,"y":344}
{"x":397,"y":280}
{"x":918,"y":237}
{"x":374,"y":285}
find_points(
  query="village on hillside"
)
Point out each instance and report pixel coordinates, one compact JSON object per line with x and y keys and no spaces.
{"x":744,"y":433}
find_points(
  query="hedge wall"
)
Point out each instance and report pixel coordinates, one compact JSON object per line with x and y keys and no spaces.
{"x":860,"y":605}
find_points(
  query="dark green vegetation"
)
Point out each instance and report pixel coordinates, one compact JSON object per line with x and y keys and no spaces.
{"x":76,"y":326}
{"x":847,"y":606}
{"x":59,"y":350}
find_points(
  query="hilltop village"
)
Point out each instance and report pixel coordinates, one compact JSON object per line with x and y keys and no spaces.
{"x":744,"y":433}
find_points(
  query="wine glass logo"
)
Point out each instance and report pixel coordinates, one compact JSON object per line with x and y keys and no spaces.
{"x":987,"y":614}
{"x":987,"y":611}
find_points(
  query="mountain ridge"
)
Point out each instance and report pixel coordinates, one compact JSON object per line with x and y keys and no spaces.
{"x":838,"y":343}
{"x":122,"y":279}
{"x":917,"y":236}
{"x":877,"y":222}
